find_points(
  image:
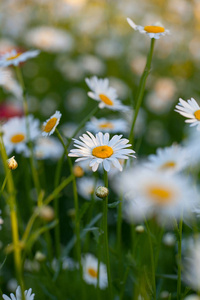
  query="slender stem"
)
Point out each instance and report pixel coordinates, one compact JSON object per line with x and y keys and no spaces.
{"x":88,"y":116}
{"x":141,"y":89}
{"x":179,"y":260}
{"x":13,"y":217}
{"x":105,"y":229}
{"x":3,"y":185}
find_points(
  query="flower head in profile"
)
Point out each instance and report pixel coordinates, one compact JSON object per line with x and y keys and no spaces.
{"x":154,"y":193}
{"x":15,"y":58}
{"x":102,"y":151}
{"x":191,"y":110}
{"x":153,"y":31}
{"x":50,"y":125}
{"x":90,"y":271}
{"x":106,"y":95}
{"x":104,"y":125}
{"x":28,"y":295}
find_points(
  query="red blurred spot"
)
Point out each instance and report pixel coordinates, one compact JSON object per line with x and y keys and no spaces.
{"x":10,"y":110}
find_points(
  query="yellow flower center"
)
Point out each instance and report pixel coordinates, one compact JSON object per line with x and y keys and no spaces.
{"x":160,"y":195}
{"x":105,"y":99}
{"x":13,"y":57}
{"x":78,"y":171}
{"x":102,"y":151}
{"x":168,"y":165}
{"x":106,"y":125}
{"x":197,"y":114}
{"x":154,"y":29}
{"x":17,"y":138}
{"x":92,"y":273}
{"x":50,"y":125}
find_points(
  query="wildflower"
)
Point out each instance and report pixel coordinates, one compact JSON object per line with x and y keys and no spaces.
{"x":150,"y":193}
{"x":87,"y":186}
{"x":153,"y":31}
{"x":104,"y":125}
{"x":102,"y":151}
{"x":48,"y":147}
{"x":15,"y":58}
{"x":50,"y":125}
{"x":191,"y":110}
{"x":106,"y":95}
{"x":102,"y":192}
{"x":12,"y":164}
{"x":28,"y":295}
{"x":90,"y":271}
{"x":192,"y":297}
{"x":15,"y":134}
{"x":78,"y":171}
{"x":170,"y":159}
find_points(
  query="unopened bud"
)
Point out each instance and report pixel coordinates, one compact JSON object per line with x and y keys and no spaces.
{"x":78,"y":171}
{"x":46,"y":213}
{"x":71,"y":213}
{"x":12,"y":164}
{"x":39,"y":256}
{"x":102,"y":192}
{"x":139,"y":228}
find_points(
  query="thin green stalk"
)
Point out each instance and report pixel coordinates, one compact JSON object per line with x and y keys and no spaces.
{"x":13,"y":217}
{"x":88,"y":116}
{"x":152,"y":261}
{"x":141,"y":88}
{"x":3,"y":185}
{"x":124,"y":282}
{"x":179,"y":260}
{"x":25,"y":105}
{"x":105,"y":229}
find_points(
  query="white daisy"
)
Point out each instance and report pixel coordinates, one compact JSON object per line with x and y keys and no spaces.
{"x":90,"y":271}
{"x":189,"y":109}
{"x":170,"y":159}
{"x":50,"y":125}
{"x":102,"y":151}
{"x":87,"y":186}
{"x":104,"y":125}
{"x":153,"y":31}
{"x":106,"y":95}
{"x":150,"y":193}
{"x":28,"y":295}
{"x":15,"y":58}
{"x":15,"y":134}
{"x":48,"y":148}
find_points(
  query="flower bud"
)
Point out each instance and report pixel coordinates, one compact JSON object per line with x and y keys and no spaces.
{"x":12,"y":164}
{"x":46,"y":213}
{"x":139,"y":228}
{"x":39,"y":256}
{"x":78,"y":171}
{"x":102,"y":192}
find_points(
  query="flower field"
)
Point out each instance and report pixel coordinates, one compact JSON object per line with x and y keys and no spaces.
{"x":99,"y":150}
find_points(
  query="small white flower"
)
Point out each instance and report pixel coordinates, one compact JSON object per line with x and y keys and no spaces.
{"x":102,"y":151}
{"x":48,"y":148}
{"x":87,"y":186}
{"x":153,"y":31}
{"x":170,"y":159}
{"x":154,"y":193}
{"x":106,"y":95}
{"x":28,"y":295}
{"x":15,"y":134}
{"x":15,"y":58}
{"x":189,"y":109}
{"x":104,"y":125}
{"x":90,"y":271}
{"x":50,"y":125}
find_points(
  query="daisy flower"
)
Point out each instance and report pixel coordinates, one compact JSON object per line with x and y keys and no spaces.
{"x":154,"y":193}
{"x":15,"y":58}
{"x":104,"y":125}
{"x":50,"y":125}
{"x":153,"y":31}
{"x":106,"y":95}
{"x":90,"y":271}
{"x":28,"y":295}
{"x":191,"y":110}
{"x":48,"y":148}
{"x":87,"y":186}
{"x":100,"y":150}
{"x":170,"y":159}
{"x":15,"y":134}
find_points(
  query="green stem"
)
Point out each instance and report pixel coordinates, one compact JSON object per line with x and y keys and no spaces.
{"x":88,"y":116}
{"x":13,"y":217}
{"x":179,"y":260}
{"x":3,"y":185}
{"x":142,"y":88}
{"x":105,"y":229}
